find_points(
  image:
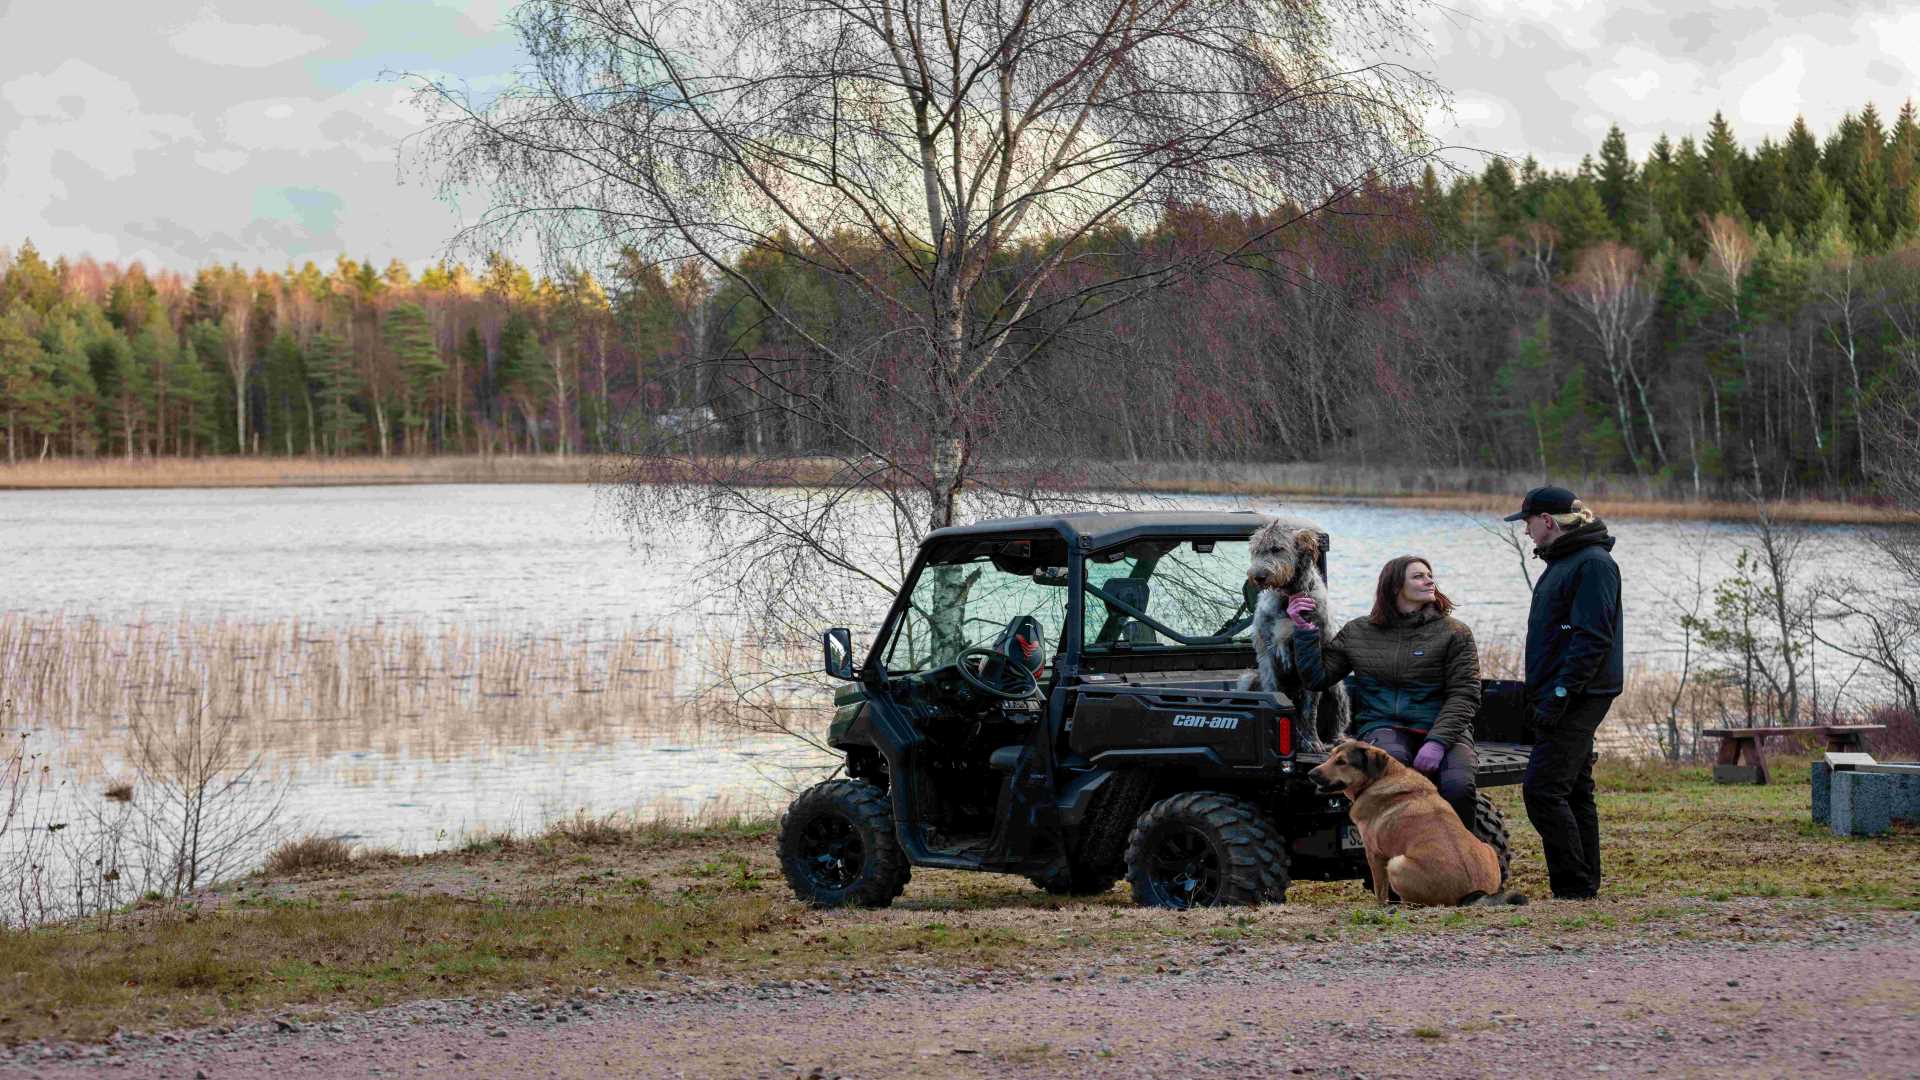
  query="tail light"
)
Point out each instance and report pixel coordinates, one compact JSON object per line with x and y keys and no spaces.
{"x":1283,"y":735}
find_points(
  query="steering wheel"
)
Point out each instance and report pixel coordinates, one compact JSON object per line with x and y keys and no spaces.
{"x":988,"y":656}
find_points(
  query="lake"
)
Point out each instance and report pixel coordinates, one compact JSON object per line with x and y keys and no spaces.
{"x":551,"y":564}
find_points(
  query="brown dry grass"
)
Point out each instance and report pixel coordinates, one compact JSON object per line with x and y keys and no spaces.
{"x":1468,"y":491}
{"x":307,"y":854}
{"x":212,"y":472}
{"x":624,"y":903}
{"x":309,"y":692}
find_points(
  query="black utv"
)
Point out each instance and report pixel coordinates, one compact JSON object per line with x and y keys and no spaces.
{"x":1056,"y":697}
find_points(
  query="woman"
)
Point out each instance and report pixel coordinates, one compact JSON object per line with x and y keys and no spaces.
{"x":1413,"y":676}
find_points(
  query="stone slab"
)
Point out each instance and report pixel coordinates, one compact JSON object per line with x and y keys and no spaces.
{"x":1906,"y":796}
{"x":1822,"y":792}
{"x":1861,"y":803}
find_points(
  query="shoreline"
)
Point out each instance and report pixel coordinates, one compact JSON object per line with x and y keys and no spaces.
{"x":1624,"y":498}
{"x":637,"y":906}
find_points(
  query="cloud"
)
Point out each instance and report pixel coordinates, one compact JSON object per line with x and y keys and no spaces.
{"x":1774,"y":96}
{"x":212,"y":40}
{"x":1569,"y":70}
{"x":185,"y":132}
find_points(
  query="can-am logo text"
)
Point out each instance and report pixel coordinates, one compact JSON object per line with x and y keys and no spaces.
{"x":1202,"y":720}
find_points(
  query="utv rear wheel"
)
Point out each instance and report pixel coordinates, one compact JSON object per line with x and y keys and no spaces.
{"x":838,"y":848}
{"x":1205,"y":849}
{"x":1490,"y":825}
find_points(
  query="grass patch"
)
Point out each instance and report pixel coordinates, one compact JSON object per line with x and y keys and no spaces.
{"x":308,"y":854}
{"x":607,"y":901}
{"x":84,"y":983}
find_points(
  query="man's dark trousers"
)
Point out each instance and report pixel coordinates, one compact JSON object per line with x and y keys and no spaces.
{"x":1559,"y":796}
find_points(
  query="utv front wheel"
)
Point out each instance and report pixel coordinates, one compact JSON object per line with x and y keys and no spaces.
{"x":838,"y":848}
{"x":1203,"y":849}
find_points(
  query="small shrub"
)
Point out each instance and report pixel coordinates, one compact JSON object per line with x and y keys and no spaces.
{"x":586,"y":831}
{"x":1901,"y":740}
{"x":308,"y":853}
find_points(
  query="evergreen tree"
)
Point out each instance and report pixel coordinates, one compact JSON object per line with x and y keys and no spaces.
{"x":1615,"y":179}
{"x":30,"y":283}
{"x":197,"y":390}
{"x":331,"y":368}
{"x":1575,"y":211}
{"x":1763,"y":186}
{"x":70,"y":332}
{"x":1724,"y":163}
{"x":156,"y":351}
{"x":523,"y":375}
{"x":25,"y":393}
{"x":409,"y":337}
{"x":289,"y":414}
{"x":124,"y":390}
{"x":1800,"y":203}
{"x":1903,"y":174}
{"x":1502,"y":195}
{"x":1693,"y":185}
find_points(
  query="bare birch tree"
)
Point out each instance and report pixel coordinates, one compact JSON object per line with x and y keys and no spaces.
{"x":1612,"y":303}
{"x":938,"y":169}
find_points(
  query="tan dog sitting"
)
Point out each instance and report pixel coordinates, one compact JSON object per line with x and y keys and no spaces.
{"x":1416,"y":846}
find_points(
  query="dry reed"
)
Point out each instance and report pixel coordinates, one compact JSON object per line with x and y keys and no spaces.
{"x":1467,"y":490}
{"x":307,"y":854}
{"x":305,"y":691}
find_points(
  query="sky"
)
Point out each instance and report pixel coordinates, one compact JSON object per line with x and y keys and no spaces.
{"x":187,"y":132}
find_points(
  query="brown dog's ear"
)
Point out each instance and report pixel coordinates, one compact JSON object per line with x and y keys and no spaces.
{"x":1308,"y":541}
{"x":1370,"y":760}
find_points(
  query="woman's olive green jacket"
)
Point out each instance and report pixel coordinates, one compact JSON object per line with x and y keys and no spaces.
{"x":1419,"y":673}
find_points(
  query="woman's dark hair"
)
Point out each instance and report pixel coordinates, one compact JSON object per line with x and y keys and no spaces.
{"x":1393,"y":578}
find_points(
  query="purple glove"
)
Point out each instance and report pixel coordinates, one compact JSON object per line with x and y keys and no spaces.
{"x":1299,"y":608}
{"x":1429,"y":758}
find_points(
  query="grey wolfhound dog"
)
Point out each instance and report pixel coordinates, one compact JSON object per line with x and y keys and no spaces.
{"x":1285,"y":563}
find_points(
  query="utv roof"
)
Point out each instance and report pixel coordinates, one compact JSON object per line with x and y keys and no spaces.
{"x":1100,"y":530}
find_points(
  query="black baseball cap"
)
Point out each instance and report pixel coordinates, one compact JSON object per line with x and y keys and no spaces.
{"x":1544,"y":500}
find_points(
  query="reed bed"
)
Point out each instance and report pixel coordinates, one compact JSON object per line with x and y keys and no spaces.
{"x":300,"y":690}
{"x":1465,"y":490}
{"x":1476,"y":491}
{"x":171,"y":472}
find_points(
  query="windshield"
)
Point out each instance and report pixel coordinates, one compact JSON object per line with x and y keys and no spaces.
{"x":1196,"y":588}
{"x":970,"y":598}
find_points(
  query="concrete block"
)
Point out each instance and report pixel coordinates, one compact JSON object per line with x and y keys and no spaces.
{"x":1822,"y":792}
{"x":1906,"y":796}
{"x":1861,"y":804}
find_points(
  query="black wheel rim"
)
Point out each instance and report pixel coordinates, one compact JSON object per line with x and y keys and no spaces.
{"x":1184,"y":868}
{"x":830,"y":852}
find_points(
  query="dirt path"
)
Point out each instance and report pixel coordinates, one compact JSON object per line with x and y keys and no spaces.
{"x":1413,"y":1005}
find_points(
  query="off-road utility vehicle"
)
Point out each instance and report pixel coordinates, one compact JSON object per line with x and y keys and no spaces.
{"x":1055,"y":697}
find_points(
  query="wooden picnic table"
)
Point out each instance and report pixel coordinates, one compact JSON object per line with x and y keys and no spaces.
{"x":1742,"y":762}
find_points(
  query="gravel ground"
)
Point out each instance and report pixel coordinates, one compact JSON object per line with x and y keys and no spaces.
{"x":1401,"y":1005}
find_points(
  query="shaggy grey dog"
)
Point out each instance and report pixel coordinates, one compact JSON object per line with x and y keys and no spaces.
{"x":1285,"y":563}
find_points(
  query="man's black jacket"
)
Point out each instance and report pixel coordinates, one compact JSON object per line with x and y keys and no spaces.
{"x":1574,"y":640}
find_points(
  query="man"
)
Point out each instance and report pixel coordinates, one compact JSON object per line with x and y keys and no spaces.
{"x":1576,"y":663}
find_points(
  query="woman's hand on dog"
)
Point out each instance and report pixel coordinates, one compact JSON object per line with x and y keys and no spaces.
{"x":1299,"y":609}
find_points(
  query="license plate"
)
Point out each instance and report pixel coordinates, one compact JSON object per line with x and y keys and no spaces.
{"x":1350,"y":839}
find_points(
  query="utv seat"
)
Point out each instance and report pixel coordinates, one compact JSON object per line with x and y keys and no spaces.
{"x":1119,"y":626}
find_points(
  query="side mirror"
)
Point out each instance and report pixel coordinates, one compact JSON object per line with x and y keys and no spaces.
{"x":837,"y":644}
